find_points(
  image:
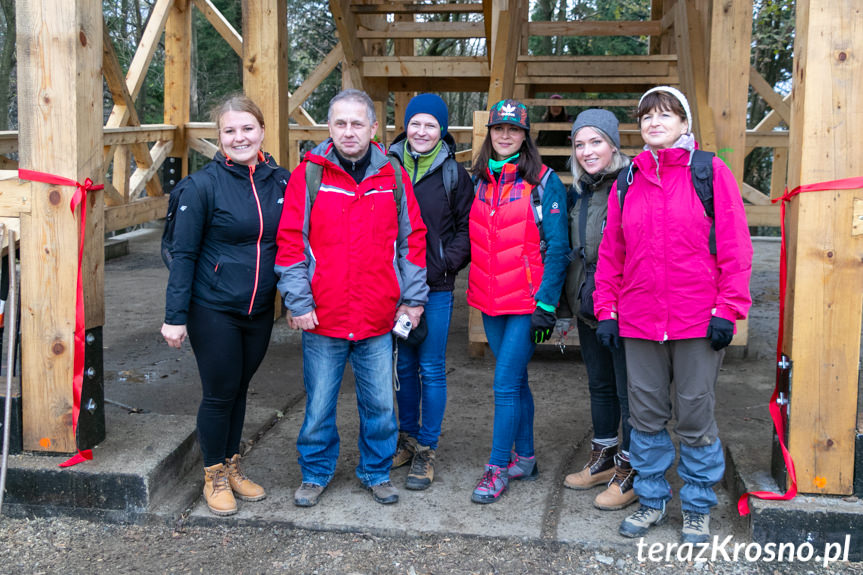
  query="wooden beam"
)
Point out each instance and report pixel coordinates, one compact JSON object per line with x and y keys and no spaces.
{"x":327,"y":65}
{"x":218,"y":21}
{"x":754,"y":195}
{"x":346,"y":26}
{"x":136,"y":212}
{"x":424,"y":66}
{"x":138,"y":134}
{"x":767,"y":140}
{"x":730,"y":48}
{"x":825,"y":302}
{"x":156,"y":22}
{"x":60,"y":113}
{"x":765,"y":90}
{"x":142,"y":175}
{"x":506,"y":38}
{"x":399,"y":30}
{"x":595,"y":28}
{"x":580,"y":103}
{"x":401,"y":99}
{"x":407,"y":8}
{"x":203,"y":147}
{"x":265,"y":69}
{"x":766,"y":215}
{"x":15,"y":194}
{"x":688,"y":37}
{"x":178,"y":80}
{"x":779,"y":173}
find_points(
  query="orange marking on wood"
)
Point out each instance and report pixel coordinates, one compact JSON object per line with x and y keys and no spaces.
{"x":820,"y":482}
{"x":45,"y":442}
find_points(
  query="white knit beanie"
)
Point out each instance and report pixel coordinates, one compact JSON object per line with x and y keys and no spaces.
{"x":680,"y":98}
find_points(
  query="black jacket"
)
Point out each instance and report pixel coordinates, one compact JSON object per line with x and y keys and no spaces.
{"x":447,"y":238}
{"x":226,"y":263}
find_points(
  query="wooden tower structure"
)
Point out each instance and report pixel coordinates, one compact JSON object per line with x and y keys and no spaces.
{"x":702,"y":46}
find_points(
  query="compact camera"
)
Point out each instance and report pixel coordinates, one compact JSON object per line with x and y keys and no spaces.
{"x":403,"y":326}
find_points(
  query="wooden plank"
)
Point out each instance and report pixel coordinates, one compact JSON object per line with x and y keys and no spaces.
{"x":218,"y":21}
{"x":730,"y":48}
{"x":14,"y":194}
{"x":617,"y":67}
{"x":402,"y":99}
{"x":825,"y":302}
{"x":411,"y":8}
{"x":779,"y":173}
{"x":136,"y":212}
{"x":688,"y":35}
{"x":150,"y":42}
{"x":265,"y":69}
{"x":320,"y":73}
{"x":398,"y":30}
{"x":203,"y":147}
{"x":581,"y":103}
{"x":766,"y":215}
{"x":595,"y":28}
{"x":765,"y":90}
{"x":506,"y":37}
{"x":8,"y":163}
{"x":346,"y":25}
{"x":178,"y":80}
{"x":138,"y":180}
{"x":754,"y":195}
{"x":139,"y":134}
{"x":59,"y":78}
{"x":422,"y":67}
{"x":769,"y":139}
{"x":9,"y":141}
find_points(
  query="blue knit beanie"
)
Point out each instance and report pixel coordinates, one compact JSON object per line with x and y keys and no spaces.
{"x":429,"y":104}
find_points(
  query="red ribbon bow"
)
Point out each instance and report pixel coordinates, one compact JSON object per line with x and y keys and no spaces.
{"x":775,"y":408}
{"x":78,"y":198}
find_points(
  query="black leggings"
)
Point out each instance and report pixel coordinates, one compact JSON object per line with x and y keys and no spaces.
{"x":228,"y":348}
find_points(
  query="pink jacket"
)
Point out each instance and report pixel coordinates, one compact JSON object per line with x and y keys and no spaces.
{"x":655,"y":273}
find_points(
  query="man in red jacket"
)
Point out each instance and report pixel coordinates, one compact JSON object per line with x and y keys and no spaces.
{"x":350,"y":263}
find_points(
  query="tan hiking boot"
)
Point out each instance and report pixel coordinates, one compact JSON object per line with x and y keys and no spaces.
{"x":217,"y":491}
{"x":405,"y":449}
{"x":421,"y":474}
{"x":619,"y":493}
{"x":243,"y":487}
{"x":597,"y":471}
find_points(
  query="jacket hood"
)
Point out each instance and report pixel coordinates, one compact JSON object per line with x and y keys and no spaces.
{"x":399,"y":147}
{"x":325,"y":154}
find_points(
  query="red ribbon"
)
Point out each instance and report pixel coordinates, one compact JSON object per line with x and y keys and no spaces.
{"x":78,"y":198}
{"x":775,"y":408}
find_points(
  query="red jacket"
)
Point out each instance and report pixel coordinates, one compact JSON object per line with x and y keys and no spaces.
{"x":351,"y":259}
{"x":655,"y":272}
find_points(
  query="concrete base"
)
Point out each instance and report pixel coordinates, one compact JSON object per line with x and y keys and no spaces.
{"x":818,"y":520}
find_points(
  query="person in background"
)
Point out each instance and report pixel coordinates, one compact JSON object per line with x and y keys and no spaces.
{"x":221,"y":290}
{"x":427,"y":153}
{"x":673,"y":301}
{"x":596,"y":161}
{"x":515,"y":280}
{"x":554,"y":138}
{"x":351,"y":262}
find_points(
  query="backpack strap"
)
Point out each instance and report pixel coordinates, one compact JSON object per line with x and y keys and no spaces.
{"x":314,"y":173}
{"x":702,"y":180}
{"x":450,"y":178}
{"x":536,"y":199}
{"x":399,"y":192}
{"x":624,"y":178}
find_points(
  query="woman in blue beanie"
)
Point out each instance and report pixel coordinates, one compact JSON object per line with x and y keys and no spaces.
{"x":444,"y":192}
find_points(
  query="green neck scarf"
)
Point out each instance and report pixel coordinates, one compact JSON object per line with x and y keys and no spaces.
{"x":497,"y":165}
{"x":421,"y":163}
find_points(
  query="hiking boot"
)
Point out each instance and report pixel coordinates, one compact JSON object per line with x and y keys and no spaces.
{"x":619,"y":493}
{"x":637,"y":524}
{"x":421,"y":474}
{"x":308,"y":494}
{"x":491,"y":486}
{"x":243,"y":487}
{"x":524,"y":468}
{"x":217,"y":491}
{"x":384,"y":493}
{"x":405,"y":449}
{"x":597,"y":471}
{"x":696,"y":527}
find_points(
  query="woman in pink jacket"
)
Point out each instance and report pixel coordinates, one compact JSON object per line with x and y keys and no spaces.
{"x":673,"y":292}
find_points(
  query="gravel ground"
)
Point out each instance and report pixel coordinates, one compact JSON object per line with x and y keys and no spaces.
{"x":68,"y":545}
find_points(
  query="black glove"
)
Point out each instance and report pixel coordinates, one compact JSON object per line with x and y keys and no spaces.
{"x":719,"y":332}
{"x":608,"y":333}
{"x":541,"y":325}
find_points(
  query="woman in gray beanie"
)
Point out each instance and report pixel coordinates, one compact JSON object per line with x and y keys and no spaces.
{"x":596,"y":161}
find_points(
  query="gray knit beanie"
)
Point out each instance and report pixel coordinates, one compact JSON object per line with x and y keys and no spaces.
{"x":601,"y":119}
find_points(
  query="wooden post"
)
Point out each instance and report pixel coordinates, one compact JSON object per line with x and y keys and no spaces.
{"x":346,"y":25}
{"x":178,"y":76}
{"x":265,"y":69}
{"x":506,"y":38}
{"x":825,"y":297}
{"x":60,"y":116}
{"x":730,"y":48}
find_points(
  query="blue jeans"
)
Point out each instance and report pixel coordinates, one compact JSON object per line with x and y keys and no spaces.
{"x":509,"y":339}
{"x":324,"y":360}
{"x":606,"y":380}
{"x":422,"y":374}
